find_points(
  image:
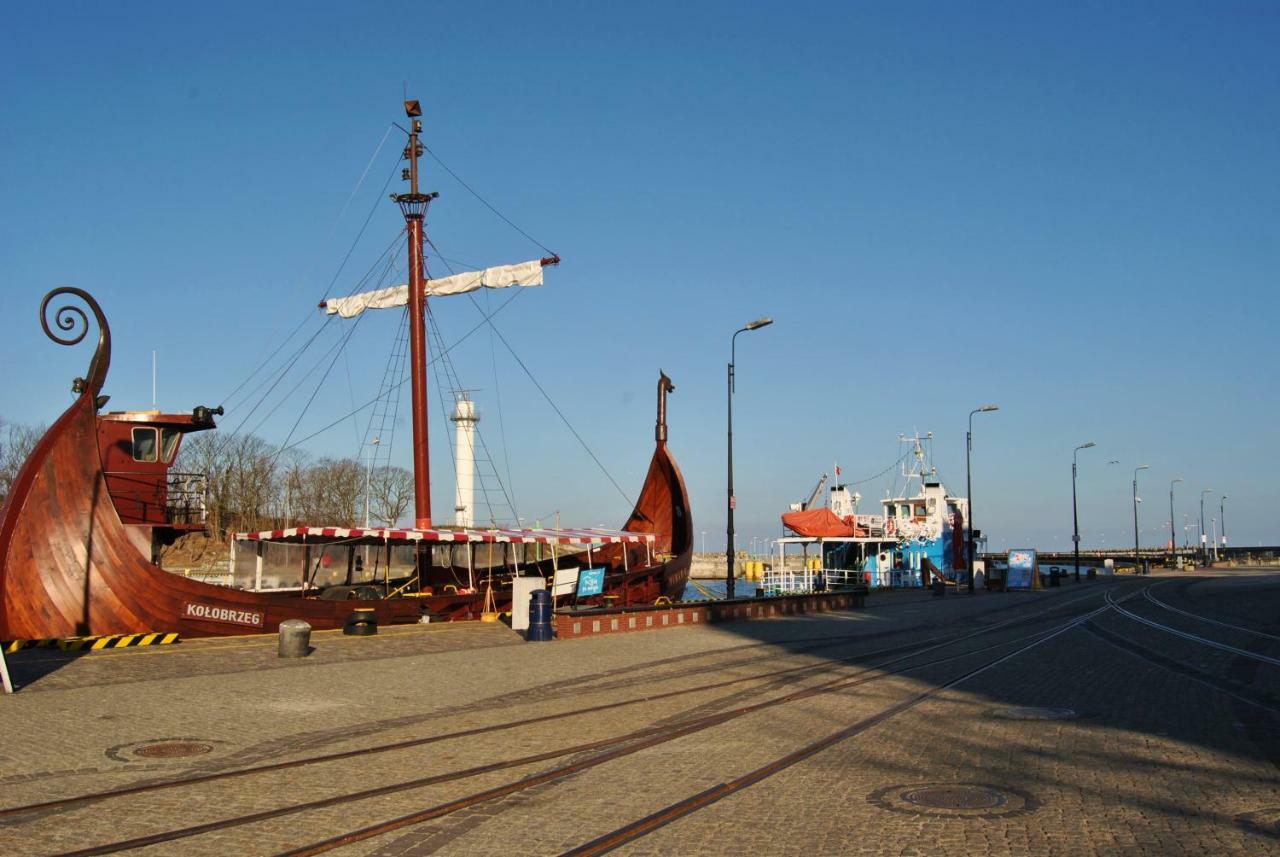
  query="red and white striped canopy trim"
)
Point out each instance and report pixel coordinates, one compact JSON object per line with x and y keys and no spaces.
{"x":386,"y":534}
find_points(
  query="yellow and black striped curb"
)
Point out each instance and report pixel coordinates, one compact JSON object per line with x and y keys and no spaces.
{"x":80,"y":644}
{"x":118,"y":641}
{"x":11,"y":646}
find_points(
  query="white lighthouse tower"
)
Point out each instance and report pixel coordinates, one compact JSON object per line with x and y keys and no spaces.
{"x":464,"y":493}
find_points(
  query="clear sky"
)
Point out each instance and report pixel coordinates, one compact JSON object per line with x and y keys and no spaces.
{"x":1069,"y":210}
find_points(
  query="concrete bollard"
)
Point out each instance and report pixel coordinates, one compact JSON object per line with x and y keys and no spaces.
{"x":295,"y":639}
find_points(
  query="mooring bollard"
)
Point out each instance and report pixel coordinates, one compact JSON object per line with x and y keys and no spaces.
{"x":539,"y":617}
{"x":939,"y":588}
{"x":295,"y":638}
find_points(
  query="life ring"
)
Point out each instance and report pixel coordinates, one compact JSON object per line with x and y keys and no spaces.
{"x":890,"y":527}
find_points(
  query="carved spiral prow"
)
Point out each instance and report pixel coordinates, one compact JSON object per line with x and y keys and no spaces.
{"x":664,"y":386}
{"x":73,"y":323}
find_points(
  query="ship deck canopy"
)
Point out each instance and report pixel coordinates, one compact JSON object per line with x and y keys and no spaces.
{"x":397,"y":535}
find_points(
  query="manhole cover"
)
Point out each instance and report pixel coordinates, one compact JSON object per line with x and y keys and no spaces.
{"x":957,"y":800}
{"x":172,"y":749}
{"x":1264,"y":821}
{"x":160,"y":749}
{"x":1033,"y":713}
{"x":954,"y":797}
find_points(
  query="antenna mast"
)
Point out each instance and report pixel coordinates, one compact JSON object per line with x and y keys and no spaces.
{"x":413,"y":205}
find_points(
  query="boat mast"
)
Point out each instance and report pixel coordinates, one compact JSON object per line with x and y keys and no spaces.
{"x":413,"y":205}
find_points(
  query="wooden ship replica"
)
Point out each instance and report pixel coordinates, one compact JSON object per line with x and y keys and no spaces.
{"x":82,"y":528}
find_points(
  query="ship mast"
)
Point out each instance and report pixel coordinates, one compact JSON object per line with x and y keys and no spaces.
{"x":413,"y":205}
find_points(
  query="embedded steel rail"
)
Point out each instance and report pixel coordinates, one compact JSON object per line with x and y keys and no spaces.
{"x":819,"y":642}
{"x":615,"y":747}
{"x":687,"y":806}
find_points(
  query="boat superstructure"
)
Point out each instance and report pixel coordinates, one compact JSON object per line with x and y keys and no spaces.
{"x":917,"y":536}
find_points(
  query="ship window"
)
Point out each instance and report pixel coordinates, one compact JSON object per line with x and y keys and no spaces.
{"x":920,"y":512}
{"x":169,"y":444}
{"x":144,"y":444}
{"x":903,"y":510}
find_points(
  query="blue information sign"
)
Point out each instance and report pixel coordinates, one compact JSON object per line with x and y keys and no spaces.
{"x":1022,"y":569}
{"x":590,"y":582}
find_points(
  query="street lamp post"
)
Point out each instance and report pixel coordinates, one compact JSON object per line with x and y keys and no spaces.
{"x":733,"y":344}
{"x":1204,"y":545}
{"x":1137,"y":548}
{"x":1075,"y":514}
{"x":968,"y":483}
{"x":1173,"y":538}
{"x":1222,"y":513}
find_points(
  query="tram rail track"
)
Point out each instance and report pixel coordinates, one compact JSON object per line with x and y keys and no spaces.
{"x":617,"y":747}
{"x":19,"y":813}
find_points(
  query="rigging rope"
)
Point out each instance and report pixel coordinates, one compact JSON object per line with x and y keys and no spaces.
{"x":555,"y":407}
{"x":359,"y":183}
{"x":882,"y":472}
{"x":515,"y":294}
{"x":472,"y":191}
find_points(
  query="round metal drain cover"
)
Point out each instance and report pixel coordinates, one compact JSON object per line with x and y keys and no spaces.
{"x":162,"y":749}
{"x":1034,"y":713}
{"x":953,"y":800}
{"x":954,"y":797}
{"x":172,"y":749}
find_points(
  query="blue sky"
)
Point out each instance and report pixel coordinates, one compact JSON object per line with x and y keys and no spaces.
{"x":1069,"y":210}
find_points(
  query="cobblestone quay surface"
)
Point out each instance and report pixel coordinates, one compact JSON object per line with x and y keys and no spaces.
{"x":1139,"y":715}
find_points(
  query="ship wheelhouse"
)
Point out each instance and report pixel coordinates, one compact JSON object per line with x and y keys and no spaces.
{"x":138,"y":450}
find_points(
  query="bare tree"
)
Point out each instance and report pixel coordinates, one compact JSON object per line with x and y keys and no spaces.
{"x":391,"y":492}
{"x":332,"y":491}
{"x":16,"y":444}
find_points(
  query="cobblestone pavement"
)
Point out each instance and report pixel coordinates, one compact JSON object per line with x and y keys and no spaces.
{"x":1160,"y":743}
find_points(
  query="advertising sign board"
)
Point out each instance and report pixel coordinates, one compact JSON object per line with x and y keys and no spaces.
{"x":1022,"y":570}
{"x":590,"y":582}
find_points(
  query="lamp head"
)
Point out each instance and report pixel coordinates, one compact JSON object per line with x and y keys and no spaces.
{"x":1143,"y":467}
{"x":986,"y":408}
{"x":1179,"y":479}
{"x":1207,"y":491}
{"x":759,"y":322}
{"x":1086,"y":445}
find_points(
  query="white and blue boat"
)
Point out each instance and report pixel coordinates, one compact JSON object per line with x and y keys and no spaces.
{"x":917,"y":537}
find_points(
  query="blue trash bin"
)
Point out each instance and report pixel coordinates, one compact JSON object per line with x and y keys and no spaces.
{"x":539,"y":617}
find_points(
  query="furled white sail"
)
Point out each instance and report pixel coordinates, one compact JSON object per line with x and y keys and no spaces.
{"x":501,"y":277}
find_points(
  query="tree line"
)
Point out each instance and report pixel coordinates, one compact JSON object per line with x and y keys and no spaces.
{"x":249,"y":486}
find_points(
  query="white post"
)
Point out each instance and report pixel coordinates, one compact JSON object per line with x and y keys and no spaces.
{"x":464,"y":490}
{"x":5,"y":681}
{"x":231,"y":563}
{"x":259,"y":548}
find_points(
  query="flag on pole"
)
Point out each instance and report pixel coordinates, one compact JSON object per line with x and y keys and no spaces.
{"x":837,"y":471}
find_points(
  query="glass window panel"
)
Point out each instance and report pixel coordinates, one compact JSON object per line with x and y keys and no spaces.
{"x":169,"y":444}
{"x":144,"y":444}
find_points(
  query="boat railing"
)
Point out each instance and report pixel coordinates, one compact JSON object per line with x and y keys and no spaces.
{"x":789,"y":581}
{"x":185,"y":503}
